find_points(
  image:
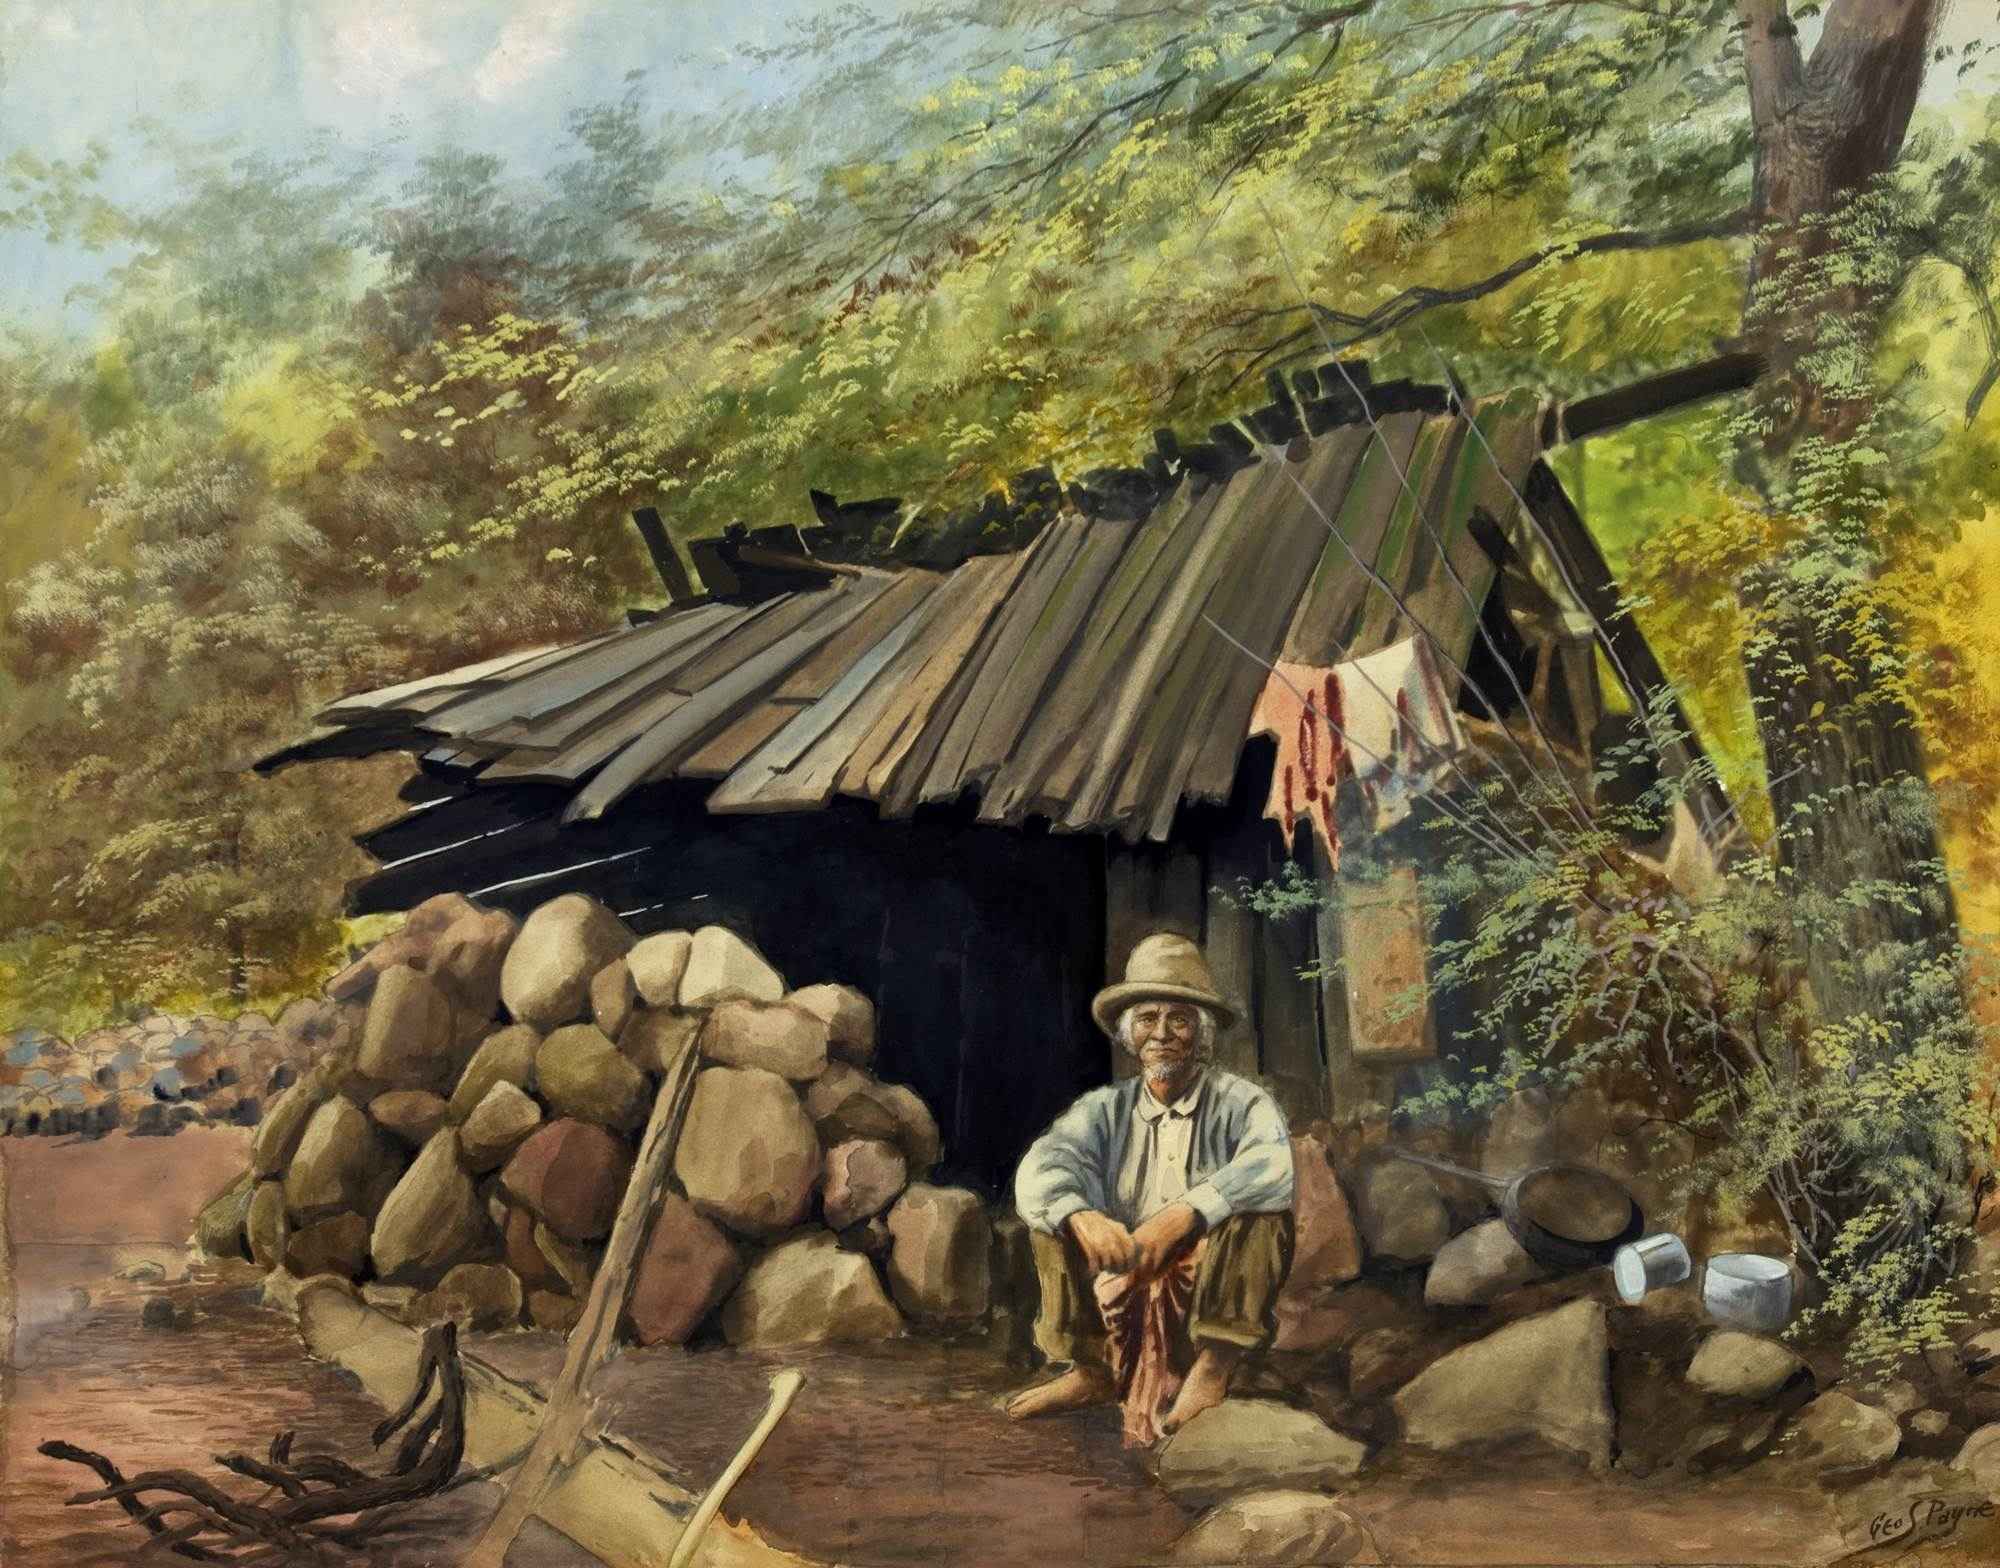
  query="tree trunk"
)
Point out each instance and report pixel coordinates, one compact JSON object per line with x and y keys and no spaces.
{"x":1841,"y":746}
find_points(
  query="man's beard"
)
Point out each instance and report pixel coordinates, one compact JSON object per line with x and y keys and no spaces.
{"x":1167,"y":1072}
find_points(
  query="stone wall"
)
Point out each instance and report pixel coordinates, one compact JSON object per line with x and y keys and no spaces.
{"x":462,"y":1145}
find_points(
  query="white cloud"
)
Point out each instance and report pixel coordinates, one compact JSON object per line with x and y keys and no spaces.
{"x":528,"y":45}
{"x":378,"y":48}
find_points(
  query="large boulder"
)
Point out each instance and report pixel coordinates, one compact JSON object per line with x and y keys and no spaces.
{"x":343,"y":1162}
{"x":809,"y":1292}
{"x":483,"y":1296}
{"x":219,"y":1228}
{"x":545,"y":980}
{"x":1277,"y":1528}
{"x":748,"y":1156}
{"x":410,"y":945}
{"x":863,"y":1178}
{"x":656,"y":966}
{"x":572,"y":1174}
{"x":1244,"y":1445}
{"x":916,"y":1128}
{"x":505,"y":1056}
{"x":497,"y":1127}
{"x":940,"y":1258}
{"x":1732,"y":1365}
{"x":433,"y":1219}
{"x":1477,"y":1266}
{"x":848,"y":1015}
{"x":1837,"y":1435}
{"x":1402,"y":1214}
{"x":844,"y":1106}
{"x":688,"y":1267}
{"x":654,"y":1039}
{"x":788,"y":1041}
{"x":468,"y":956}
{"x":277,"y":1137}
{"x":1326,"y":1248}
{"x":410,"y":1038}
{"x":721,"y":965}
{"x":581,"y":1075}
{"x":266,"y":1227}
{"x":613,"y":998}
{"x":1545,"y":1377}
{"x":1980,"y":1459}
{"x":409,"y":1115}
{"x":332,"y":1246}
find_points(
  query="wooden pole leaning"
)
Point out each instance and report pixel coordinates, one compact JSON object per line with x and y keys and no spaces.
{"x":571,"y":1409}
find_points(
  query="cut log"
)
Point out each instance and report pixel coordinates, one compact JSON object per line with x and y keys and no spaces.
{"x":592,"y":1342}
{"x":614,"y":1500}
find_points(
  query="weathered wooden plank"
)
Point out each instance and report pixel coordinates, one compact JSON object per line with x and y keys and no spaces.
{"x":723,"y":751}
{"x":866,"y":742}
{"x":934,"y":695}
{"x":1381,"y":621}
{"x":1049,"y":580}
{"x":1339,"y":588}
{"x":1390,"y":1019}
{"x":1135,"y":583}
{"x":1238,"y":528}
{"x":1355,"y":1092}
{"x":573,"y":722}
{"x":573,"y":678}
{"x":1053,"y":747}
{"x":385,"y":699}
{"x":717,"y":701}
{"x":814,"y":678}
{"x":1288,"y":1026}
{"x":776,"y":778}
{"x":1202,"y":707}
{"x":1229,"y":937}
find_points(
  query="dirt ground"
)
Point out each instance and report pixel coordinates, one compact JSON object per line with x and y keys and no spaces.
{"x":895,"y":1455}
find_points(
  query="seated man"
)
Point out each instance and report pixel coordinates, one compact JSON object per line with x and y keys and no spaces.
{"x":1159,"y":1209}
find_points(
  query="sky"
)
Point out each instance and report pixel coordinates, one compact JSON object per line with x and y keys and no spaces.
{"x":398,"y":77}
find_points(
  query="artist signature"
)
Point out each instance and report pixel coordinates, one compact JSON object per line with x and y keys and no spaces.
{"x":1929,"y":1517}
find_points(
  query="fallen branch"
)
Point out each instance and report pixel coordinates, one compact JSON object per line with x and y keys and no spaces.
{"x":784,"y":1389}
{"x":613,"y":1499}
{"x":571,"y":1411}
{"x":314,"y":1491}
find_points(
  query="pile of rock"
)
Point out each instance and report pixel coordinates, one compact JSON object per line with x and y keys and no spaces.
{"x":466,"y":1150}
{"x":161,"y":1073}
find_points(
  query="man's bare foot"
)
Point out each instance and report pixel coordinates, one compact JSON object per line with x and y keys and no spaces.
{"x":1207,"y":1385}
{"x":1076,"y":1388}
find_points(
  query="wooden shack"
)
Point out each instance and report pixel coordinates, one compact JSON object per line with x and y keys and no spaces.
{"x":965,"y":763}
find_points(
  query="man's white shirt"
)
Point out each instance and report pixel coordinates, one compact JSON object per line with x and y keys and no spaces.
{"x":1155,"y":1172}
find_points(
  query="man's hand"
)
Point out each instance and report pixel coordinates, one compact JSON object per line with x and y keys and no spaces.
{"x":1156,"y":1243}
{"x":1106,"y":1245}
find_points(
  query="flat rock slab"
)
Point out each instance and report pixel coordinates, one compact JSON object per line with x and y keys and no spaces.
{"x":809,"y":1292}
{"x":1545,"y":1377}
{"x":1244,"y":1445}
{"x":1279,"y":1528}
{"x":1732,"y":1365}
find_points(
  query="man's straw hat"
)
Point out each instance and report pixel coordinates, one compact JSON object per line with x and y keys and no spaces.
{"x":1162,"y":968}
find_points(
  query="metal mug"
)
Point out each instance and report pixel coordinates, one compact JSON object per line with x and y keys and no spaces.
{"x":1648,"y":1263}
{"x":1748,"y":1290}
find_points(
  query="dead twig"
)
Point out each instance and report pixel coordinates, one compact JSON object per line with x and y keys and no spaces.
{"x":212,"y":1525}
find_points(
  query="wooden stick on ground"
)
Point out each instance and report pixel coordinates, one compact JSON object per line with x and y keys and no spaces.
{"x":784,"y":1388}
{"x":571,"y":1411}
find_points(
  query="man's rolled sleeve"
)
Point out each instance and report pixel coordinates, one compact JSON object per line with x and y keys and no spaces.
{"x":1208,"y":1201}
{"x":1063,"y":1172}
{"x":1258,"y":1178}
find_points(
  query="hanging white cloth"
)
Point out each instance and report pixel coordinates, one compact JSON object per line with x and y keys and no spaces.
{"x":1385,"y":721}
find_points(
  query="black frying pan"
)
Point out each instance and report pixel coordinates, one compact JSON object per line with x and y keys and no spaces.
{"x":1566,"y":1217}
